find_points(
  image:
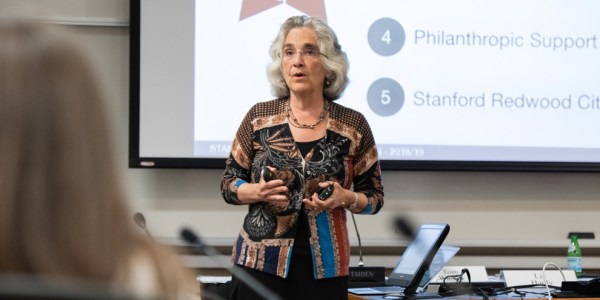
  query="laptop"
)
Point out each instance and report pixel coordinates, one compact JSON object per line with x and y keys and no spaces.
{"x":423,"y":258}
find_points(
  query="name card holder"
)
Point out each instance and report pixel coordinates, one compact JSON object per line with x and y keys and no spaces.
{"x":478,"y":274}
{"x":536,"y":277}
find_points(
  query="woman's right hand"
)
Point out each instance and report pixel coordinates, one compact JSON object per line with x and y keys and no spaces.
{"x":273,"y":191}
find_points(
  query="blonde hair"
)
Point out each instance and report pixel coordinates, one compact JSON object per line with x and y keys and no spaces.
{"x":62,"y":207}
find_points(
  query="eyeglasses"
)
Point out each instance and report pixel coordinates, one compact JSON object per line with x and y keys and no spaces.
{"x":307,"y":53}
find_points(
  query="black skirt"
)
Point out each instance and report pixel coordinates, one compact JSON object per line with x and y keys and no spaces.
{"x":300,"y":283}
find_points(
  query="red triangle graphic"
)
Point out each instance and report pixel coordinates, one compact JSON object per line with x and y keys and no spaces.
{"x":315,"y":8}
{"x":253,"y":7}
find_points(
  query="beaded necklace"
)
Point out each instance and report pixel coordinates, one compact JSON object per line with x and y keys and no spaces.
{"x":294,"y":121}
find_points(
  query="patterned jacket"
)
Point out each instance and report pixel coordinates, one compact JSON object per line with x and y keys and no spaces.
{"x":347,"y":155}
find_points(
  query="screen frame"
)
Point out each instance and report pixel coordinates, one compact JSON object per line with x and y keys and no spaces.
{"x":137,"y":161}
{"x":411,"y":282}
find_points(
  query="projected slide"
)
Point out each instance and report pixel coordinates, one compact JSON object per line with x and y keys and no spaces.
{"x":444,"y":80}
{"x":465,"y":79}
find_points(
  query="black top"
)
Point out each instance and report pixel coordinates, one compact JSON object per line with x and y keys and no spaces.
{"x":301,"y":243}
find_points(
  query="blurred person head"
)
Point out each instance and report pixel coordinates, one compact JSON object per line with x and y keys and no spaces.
{"x":63,"y":211}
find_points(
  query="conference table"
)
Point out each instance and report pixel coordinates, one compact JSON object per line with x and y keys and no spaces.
{"x":539,"y":292}
{"x":464,"y":297}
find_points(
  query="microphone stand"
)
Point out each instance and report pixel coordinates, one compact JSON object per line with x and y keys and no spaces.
{"x":258,"y":287}
{"x":360,"y":256}
{"x":140,"y":221}
{"x":362,"y":276}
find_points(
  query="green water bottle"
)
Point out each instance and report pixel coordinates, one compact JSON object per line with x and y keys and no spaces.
{"x":574,"y":259}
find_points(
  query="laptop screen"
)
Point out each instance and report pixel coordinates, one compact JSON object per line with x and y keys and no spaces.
{"x":440,"y":260}
{"x":418,"y":256}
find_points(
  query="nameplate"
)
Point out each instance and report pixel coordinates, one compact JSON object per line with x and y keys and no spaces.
{"x":533,"y":277}
{"x":478,"y":274}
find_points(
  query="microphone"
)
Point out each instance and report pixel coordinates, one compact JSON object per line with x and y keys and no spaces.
{"x":140,"y":221}
{"x":404,"y":227}
{"x":194,"y":240}
{"x":362,"y":276}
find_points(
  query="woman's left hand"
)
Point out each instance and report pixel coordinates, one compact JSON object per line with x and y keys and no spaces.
{"x":339,"y":198}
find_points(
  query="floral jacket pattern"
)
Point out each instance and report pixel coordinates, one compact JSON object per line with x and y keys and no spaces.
{"x":347,"y":154}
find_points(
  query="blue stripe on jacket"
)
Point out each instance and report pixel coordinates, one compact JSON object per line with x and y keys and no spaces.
{"x":326,"y":244}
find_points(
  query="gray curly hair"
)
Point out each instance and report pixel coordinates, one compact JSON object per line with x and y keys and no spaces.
{"x":335,"y":62}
